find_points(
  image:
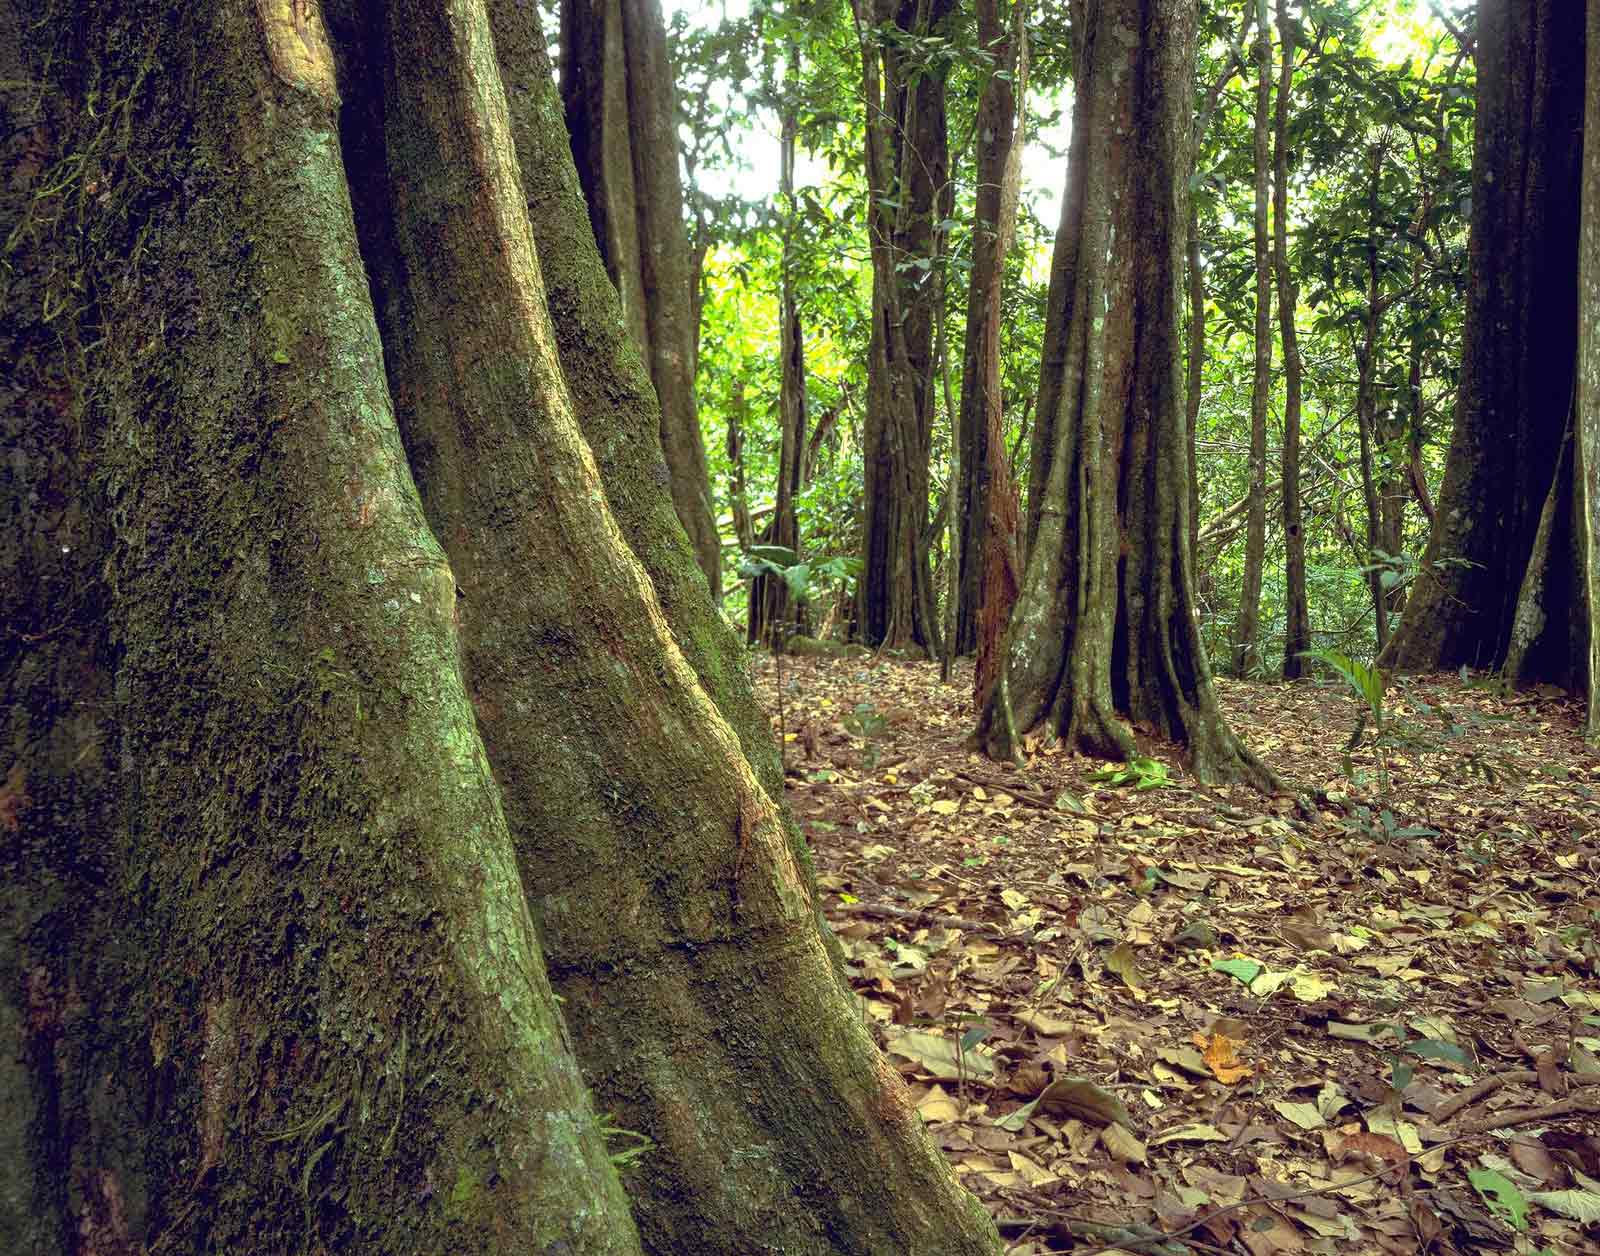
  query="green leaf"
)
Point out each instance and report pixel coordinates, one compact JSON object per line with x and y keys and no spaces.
{"x":1434,"y":1049}
{"x":1501,"y":1195}
{"x":1242,"y":970}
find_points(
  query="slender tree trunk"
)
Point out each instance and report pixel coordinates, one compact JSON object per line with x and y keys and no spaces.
{"x":1297,"y":613}
{"x":290,"y":997}
{"x":1104,"y":635}
{"x":738,"y":489}
{"x":908,"y":194}
{"x":1247,"y":628}
{"x":1195,"y":368}
{"x":773,"y":612}
{"x":617,"y":83}
{"x":1367,"y":409}
{"x":1519,"y":342}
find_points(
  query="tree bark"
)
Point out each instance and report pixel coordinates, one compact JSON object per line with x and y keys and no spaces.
{"x":1297,"y":612}
{"x":271,"y":980}
{"x":617,"y":85}
{"x":908,"y":194}
{"x":1586,"y":450}
{"x":1104,"y":639}
{"x":983,"y":452}
{"x":289,"y":996}
{"x":1247,"y":628}
{"x":1519,"y":343}
{"x":987,"y":509}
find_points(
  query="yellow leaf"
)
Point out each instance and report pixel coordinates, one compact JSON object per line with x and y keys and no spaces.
{"x":1221,"y":1054}
{"x":944,"y":807}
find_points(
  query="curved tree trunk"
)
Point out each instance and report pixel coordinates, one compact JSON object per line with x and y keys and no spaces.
{"x":617,"y":83}
{"x":290,"y":997}
{"x":1104,"y":635}
{"x":1296,"y":611}
{"x":1519,"y":341}
{"x":1247,"y":628}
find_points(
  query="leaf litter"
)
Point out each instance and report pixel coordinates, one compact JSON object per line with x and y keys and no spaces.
{"x":1140,"y":1014}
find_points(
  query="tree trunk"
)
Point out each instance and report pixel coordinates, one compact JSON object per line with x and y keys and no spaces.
{"x":908,"y":194}
{"x":774,"y":614}
{"x":981,"y":456}
{"x":617,"y":85}
{"x":1297,"y":612}
{"x":1367,"y":409}
{"x":289,"y":997}
{"x":1586,"y":435}
{"x":271,"y":980}
{"x":1519,"y":341}
{"x":1247,"y":628}
{"x":987,"y":507}
{"x":1195,"y":368}
{"x":1104,"y":637}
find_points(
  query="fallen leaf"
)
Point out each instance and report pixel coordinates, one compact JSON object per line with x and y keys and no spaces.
{"x":1122,"y":1146}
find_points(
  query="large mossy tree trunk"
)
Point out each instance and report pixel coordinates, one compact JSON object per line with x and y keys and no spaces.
{"x":270,"y":974}
{"x":1586,"y":435}
{"x":334,"y":679}
{"x":908,"y":195}
{"x":1104,"y":636}
{"x":617,"y":86}
{"x":1518,"y":353}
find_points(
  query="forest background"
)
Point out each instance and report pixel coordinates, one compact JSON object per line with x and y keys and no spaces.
{"x":1376,"y":128}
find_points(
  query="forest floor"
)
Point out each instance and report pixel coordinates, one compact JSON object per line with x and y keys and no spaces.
{"x":1362,"y":1017}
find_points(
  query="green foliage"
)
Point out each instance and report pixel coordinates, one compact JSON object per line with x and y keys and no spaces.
{"x":1140,"y":772}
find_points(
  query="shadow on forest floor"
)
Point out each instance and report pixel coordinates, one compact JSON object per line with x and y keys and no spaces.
{"x":1368,"y":1025}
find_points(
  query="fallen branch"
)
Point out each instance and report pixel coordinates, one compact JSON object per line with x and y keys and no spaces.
{"x":1512,"y":1077}
{"x":1532,"y":1116}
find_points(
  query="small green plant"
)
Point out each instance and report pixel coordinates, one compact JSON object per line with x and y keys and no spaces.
{"x":636,"y":1146}
{"x":867,"y":724}
{"x":1383,"y":827}
{"x":1367,"y":682}
{"x":1140,"y":772}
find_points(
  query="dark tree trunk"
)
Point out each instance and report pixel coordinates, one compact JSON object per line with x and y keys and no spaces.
{"x":1519,"y":343}
{"x":908,"y":194}
{"x":1247,"y":628}
{"x":617,"y":84}
{"x":1104,"y":638}
{"x":1297,"y":612}
{"x":983,"y":452}
{"x":330,"y":641}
